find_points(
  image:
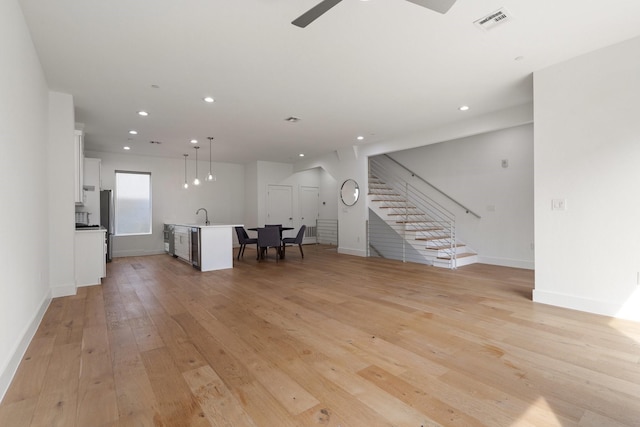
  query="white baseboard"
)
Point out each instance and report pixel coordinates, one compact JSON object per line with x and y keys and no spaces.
{"x":63,"y":291}
{"x":573,"y":302}
{"x":84,"y":285}
{"x":356,"y":252}
{"x":506,"y":262}
{"x":8,"y":371}
{"x":121,"y":254}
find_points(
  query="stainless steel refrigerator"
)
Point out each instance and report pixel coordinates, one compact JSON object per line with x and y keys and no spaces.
{"x":107,"y":218}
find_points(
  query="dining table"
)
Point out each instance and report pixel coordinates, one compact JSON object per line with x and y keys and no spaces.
{"x":281,"y":230}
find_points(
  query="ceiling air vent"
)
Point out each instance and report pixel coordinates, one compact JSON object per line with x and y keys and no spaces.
{"x":494,"y":19}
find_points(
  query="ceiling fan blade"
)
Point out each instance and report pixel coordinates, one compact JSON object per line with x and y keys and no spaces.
{"x":440,"y":6}
{"x":314,"y":13}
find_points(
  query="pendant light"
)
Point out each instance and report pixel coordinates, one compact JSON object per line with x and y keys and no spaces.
{"x":210,"y":177}
{"x":186,"y":184}
{"x":196,"y":181}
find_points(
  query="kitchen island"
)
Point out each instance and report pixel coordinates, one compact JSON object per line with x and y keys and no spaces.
{"x":206,"y":247}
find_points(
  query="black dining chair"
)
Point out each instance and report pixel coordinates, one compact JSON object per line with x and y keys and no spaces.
{"x":244,"y":240}
{"x":276,"y":225}
{"x":269,"y":237}
{"x":295,"y":240}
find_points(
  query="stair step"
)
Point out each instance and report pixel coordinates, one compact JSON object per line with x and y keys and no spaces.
{"x":397,"y":207}
{"x":406,"y":214}
{"x":424,"y":223}
{"x":410,"y":222}
{"x":430,"y":238}
{"x":387,"y":200}
{"x":468,"y":254}
{"x":380,"y":197}
{"x":444,"y":247}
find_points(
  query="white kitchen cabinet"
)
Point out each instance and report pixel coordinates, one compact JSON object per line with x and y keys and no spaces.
{"x":92,"y":168}
{"x":79,"y":166}
{"x":90,"y":257}
{"x":92,"y":173}
{"x":182,"y":242}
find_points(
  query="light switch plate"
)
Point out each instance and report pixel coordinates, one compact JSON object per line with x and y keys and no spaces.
{"x":559,"y":204}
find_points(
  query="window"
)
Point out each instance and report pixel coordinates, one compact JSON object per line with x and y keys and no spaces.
{"x":133,"y":203}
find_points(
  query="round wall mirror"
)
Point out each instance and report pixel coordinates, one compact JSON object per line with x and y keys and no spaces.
{"x":349,"y":192}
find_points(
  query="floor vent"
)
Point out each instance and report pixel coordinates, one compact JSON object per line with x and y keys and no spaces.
{"x":494,"y":19}
{"x":310,"y":231}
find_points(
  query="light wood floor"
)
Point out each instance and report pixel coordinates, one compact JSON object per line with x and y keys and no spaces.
{"x":331,"y":340}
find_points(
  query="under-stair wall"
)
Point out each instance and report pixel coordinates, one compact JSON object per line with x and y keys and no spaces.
{"x":472,"y":171}
{"x":386,"y":242}
{"x":406,"y":224}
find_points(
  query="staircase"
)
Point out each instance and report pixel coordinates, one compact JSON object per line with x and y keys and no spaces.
{"x":417,"y":228}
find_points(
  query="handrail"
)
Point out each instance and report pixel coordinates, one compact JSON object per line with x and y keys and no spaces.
{"x":467,"y":210}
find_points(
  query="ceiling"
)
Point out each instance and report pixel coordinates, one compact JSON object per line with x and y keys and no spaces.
{"x":378,"y":69}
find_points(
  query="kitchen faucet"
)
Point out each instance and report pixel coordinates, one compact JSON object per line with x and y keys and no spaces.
{"x":206,"y":215}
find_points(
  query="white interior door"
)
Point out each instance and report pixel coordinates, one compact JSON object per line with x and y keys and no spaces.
{"x":280,"y":206}
{"x":309,"y":211}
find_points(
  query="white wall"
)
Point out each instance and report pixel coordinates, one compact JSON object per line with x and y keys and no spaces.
{"x":61,"y":187}
{"x":352,"y":220}
{"x":353,"y":163}
{"x":251,"y":195}
{"x":273,"y":173}
{"x":24,"y":105}
{"x":470,"y":171}
{"x":171,"y":203}
{"x":328,"y":195}
{"x":587,"y":152}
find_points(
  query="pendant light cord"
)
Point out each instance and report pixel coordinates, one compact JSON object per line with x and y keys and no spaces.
{"x":186,"y":184}
{"x":210,"y":176}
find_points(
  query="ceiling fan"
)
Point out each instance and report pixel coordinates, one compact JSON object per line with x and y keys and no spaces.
{"x":441,"y":6}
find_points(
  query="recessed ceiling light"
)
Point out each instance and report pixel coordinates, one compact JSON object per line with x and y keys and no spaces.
{"x":194,"y":141}
{"x":133,"y":132}
{"x":463,"y":108}
{"x":301,"y":154}
{"x":208,"y":99}
{"x":292,"y":119}
{"x":155,"y":86}
{"x":143,"y":113}
{"x":360,"y":138}
{"x":126,"y":147}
